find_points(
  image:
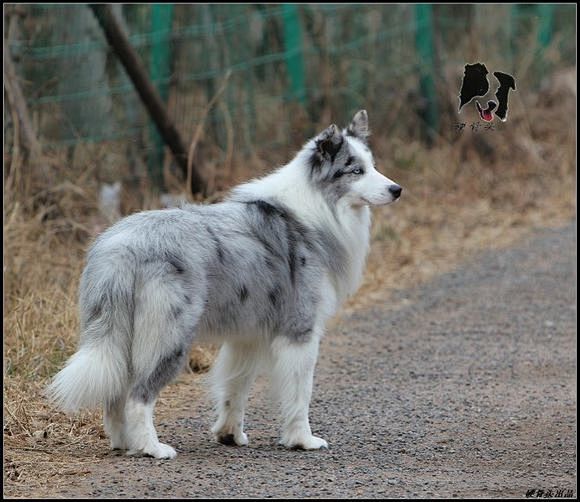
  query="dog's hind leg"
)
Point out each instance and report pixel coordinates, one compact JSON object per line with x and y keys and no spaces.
{"x":231,"y":378}
{"x":293,"y":363}
{"x":140,"y":432}
{"x":166,"y":314}
{"x":114,"y":419}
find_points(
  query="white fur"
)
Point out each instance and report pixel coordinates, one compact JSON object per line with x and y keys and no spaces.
{"x":115,"y":422}
{"x":95,"y":374}
{"x":141,"y":436}
{"x":231,"y":377}
{"x":372,"y":188}
{"x":292,"y":377}
{"x":349,"y":224}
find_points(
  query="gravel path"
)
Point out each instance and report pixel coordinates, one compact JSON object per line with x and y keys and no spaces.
{"x":465,"y":387}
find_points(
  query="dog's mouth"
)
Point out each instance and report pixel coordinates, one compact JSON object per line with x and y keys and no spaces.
{"x":368,"y":202}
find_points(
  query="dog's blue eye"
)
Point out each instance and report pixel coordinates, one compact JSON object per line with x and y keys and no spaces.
{"x":358,"y":170}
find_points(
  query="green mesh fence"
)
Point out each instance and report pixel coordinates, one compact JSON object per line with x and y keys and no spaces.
{"x":293,"y":68}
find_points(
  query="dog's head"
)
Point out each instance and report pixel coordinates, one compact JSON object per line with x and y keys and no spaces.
{"x":343,"y":168}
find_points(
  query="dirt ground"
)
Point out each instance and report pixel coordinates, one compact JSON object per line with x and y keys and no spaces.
{"x":464,"y":387}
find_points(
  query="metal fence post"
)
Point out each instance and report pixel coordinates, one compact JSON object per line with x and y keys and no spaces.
{"x":160,"y":70}
{"x":545,"y":12}
{"x":293,"y":46}
{"x":425,"y":49}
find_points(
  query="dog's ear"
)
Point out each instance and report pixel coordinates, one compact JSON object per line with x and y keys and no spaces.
{"x":328,"y":142}
{"x":359,"y":127}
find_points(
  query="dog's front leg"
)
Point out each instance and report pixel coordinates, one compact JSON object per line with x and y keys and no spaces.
{"x":293,"y":363}
{"x":232,"y":376}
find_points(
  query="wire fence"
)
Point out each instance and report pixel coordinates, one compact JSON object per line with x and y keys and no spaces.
{"x":293,"y":68}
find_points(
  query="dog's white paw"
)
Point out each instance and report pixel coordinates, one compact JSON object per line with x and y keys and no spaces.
{"x":159,"y":450}
{"x":229,"y":434}
{"x":117,"y":444}
{"x":163,"y":451}
{"x":304,"y":443}
{"x":237,"y":439}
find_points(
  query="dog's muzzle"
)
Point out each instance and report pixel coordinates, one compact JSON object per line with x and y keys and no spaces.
{"x":395,"y":191}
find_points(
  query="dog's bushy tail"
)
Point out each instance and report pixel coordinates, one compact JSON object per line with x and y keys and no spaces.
{"x":92,"y":376}
{"x":99,"y":371}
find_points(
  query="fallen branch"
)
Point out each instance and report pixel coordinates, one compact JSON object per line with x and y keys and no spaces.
{"x":149,"y":95}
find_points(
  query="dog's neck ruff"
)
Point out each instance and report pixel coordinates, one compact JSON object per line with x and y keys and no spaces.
{"x":290,"y":187}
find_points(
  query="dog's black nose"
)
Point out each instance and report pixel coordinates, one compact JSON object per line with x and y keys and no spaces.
{"x":395,"y":190}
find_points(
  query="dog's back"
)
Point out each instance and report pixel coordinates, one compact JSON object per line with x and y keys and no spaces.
{"x":230,"y":269}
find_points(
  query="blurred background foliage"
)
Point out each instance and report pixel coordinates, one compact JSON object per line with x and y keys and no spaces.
{"x":294,"y":69}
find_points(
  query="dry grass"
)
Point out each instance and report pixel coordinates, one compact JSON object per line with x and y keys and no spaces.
{"x":480,"y":191}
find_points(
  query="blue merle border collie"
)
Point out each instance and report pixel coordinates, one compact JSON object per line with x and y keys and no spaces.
{"x":259,"y":273}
